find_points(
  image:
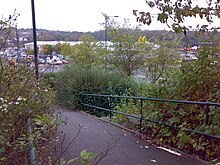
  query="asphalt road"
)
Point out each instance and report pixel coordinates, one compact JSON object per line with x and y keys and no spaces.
{"x":97,"y":136}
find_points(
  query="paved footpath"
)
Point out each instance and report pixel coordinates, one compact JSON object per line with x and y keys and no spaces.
{"x":126,"y":148}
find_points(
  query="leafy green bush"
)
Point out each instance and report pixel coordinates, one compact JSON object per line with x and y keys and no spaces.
{"x":75,"y":79}
{"x":49,"y":79}
{"x":22,"y":96}
{"x":199,"y":80}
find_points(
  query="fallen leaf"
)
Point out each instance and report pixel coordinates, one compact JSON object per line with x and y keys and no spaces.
{"x":152,"y":160}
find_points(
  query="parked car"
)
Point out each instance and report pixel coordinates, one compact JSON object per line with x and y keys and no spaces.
{"x":65,"y":62}
{"x":48,"y":60}
{"x":57,"y":61}
{"x":41,"y":61}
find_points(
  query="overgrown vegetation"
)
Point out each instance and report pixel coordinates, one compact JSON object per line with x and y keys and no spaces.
{"x":171,"y":77}
{"x":24,"y":100}
{"x":197,"y":80}
{"x":22,"y":96}
{"x":79,"y":79}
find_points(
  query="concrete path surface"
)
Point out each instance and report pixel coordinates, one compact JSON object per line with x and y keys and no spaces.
{"x":123,"y":147}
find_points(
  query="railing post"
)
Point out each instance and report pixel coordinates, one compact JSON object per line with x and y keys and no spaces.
{"x":110,"y":107}
{"x":94,"y":102}
{"x":32,"y":150}
{"x":141,"y":113}
{"x":81,"y":101}
{"x":207,"y":110}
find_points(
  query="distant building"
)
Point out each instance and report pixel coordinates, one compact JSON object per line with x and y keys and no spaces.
{"x":40,"y":44}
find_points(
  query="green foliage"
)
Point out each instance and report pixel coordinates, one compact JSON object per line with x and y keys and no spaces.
{"x":49,"y":79}
{"x":163,"y":59}
{"x":197,"y":80}
{"x":22,"y":96}
{"x":29,"y":51}
{"x":86,"y":53}
{"x":126,"y":106}
{"x":154,"y":90}
{"x":128,"y":56}
{"x":84,"y":158}
{"x":181,"y":115}
{"x":200,"y":79}
{"x":80,"y":79}
{"x":65,"y":49}
{"x":176,"y":13}
{"x":47,"y":49}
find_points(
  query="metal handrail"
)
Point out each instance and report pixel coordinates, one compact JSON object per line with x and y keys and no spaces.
{"x":32,"y":154}
{"x":153,"y":121}
{"x":141,"y":118}
{"x":156,"y":99}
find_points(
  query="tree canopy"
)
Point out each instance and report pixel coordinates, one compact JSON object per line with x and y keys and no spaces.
{"x":175,"y":13}
{"x":127,"y":55}
{"x":85,"y":53}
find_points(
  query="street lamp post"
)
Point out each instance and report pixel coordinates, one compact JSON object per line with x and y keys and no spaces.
{"x":34,"y":38}
{"x":18,"y":48}
{"x":106,"y":34}
{"x":106,"y":30}
{"x":32,"y":151}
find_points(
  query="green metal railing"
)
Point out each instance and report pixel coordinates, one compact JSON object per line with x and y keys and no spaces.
{"x":32,"y":154}
{"x":92,"y":103}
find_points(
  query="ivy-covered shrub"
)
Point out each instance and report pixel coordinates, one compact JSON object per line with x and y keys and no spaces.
{"x":22,"y":96}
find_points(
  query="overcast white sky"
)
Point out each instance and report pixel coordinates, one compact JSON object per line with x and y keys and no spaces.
{"x":76,"y":15}
{"x":72,"y":15}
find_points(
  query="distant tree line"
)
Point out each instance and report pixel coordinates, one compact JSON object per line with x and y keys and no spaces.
{"x":189,"y":39}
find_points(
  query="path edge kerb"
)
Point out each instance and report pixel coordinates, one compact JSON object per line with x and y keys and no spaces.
{"x":141,"y":135}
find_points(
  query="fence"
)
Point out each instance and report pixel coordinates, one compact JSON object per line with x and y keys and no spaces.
{"x":91,"y":101}
{"x":32,"y":155}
